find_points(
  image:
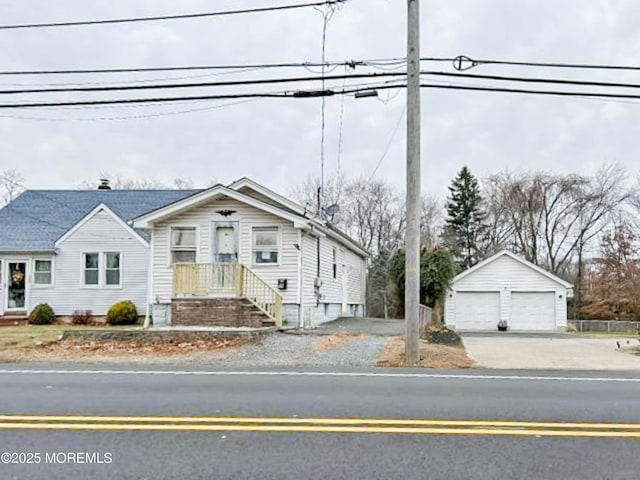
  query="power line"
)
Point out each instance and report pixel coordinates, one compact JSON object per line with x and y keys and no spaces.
{"x":463,"y":62}
{"x":128,"y":117}
{"x":169,"y":17}
{"x":381,"y":63}
{"x":386,"y":150}
{"x":316,"y":78}
{"x":197,"y":84}
{"x":348,"y":63}
{"x":316,"y":94}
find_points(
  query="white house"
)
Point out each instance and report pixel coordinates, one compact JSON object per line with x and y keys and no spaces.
{"x":74,"y":249}
{"x":508,"y":288}
{"x":229,"y":249}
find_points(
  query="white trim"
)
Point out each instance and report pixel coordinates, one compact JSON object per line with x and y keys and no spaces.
{"x":213,"y":241}
{"x":279,"y":246}
{"x":147,"y":316}
{"x":102,"y":270}
{"x":300,"y":282}
{"x":90,"y":215}
{"x":147,"y":221}
{"x":285,"y":202}
{"x":117,"y":286}
{"x":197,"y":241}
{"x":518,"y":259}
{"x":298,"y":220}
{"x":83,"y":285}
{"x":27,"y":290}
{"x":41,"y":286}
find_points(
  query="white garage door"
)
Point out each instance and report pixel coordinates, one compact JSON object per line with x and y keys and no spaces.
{"x":477,"y":310}
{"x":533,"y":311}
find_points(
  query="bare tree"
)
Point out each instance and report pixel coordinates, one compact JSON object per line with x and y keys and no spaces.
{"x":11,"y":184}
{"x":431,"y":220}
{"x":121,"y":182}
{"x":552,"y":218}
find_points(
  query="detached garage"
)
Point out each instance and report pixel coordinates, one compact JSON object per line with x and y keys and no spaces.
{"x":507,"y":287}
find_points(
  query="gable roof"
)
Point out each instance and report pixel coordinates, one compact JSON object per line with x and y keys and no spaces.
{"x":251,"y":193}
{"x":246,"y":185}
{"x":103,"y":208}
{"x":517,"y":258}
{"x":217,"y":191}
{"x":36,"y":219}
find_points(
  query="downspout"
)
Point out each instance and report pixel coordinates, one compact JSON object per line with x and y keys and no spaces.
{"x":300,"y":282}
{"x":147,"y":318}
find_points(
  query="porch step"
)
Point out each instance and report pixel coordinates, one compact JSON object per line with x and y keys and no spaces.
{"x":217,"y":312}
{"x":13,"y":320}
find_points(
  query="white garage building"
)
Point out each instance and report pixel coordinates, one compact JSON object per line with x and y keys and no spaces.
{"x":507,"y":287}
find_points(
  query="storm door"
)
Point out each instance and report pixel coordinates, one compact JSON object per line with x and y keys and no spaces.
{"x":16,"y":281}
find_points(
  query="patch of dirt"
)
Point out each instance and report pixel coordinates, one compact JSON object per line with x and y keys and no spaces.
{"x":431,"y":355}
{"x":116,"y":351}
{"x":335,"y":341}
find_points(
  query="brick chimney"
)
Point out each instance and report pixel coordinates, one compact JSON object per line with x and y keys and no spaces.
{"x":104,"y":184}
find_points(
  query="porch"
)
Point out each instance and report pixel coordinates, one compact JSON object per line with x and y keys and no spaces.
{"x":226,"y":281}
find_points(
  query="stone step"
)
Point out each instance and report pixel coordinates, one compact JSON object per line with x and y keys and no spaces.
{"x":13,"y":320}
{"x":218,"y":312}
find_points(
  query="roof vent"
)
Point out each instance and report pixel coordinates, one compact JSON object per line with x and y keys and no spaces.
{"x":104,"y":184}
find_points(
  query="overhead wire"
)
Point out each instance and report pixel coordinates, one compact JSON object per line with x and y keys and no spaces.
{"x":163,"y":86}
{"x":386,"y":150}
{"x":127,"y":117}
{"x":170,"y":17}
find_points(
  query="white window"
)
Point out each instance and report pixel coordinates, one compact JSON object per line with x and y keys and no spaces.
{"x":42,"y":272}
{"x":183,"y":245}
{"x":265,"y":245}
{"x":112,"y":268}
{"x":91,"y":268}
{"x":102,"y":269}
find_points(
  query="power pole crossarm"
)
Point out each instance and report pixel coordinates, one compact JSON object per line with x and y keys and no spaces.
{"x":412,"y":247}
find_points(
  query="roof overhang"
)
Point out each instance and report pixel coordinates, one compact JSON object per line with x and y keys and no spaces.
{"x":213,"y":193}
{"x":90,"y":215}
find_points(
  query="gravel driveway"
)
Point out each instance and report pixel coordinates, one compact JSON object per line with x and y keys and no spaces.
{"x":551,"y":351}
{"x":281,"y":349}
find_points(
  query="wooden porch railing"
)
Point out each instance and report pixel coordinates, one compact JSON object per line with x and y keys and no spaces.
{"x":227,"y":279}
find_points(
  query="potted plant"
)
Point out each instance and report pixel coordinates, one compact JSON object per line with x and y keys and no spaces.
{"x":502,"y":326}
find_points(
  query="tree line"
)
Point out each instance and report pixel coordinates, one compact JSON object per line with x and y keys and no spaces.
{"x":581,"y":228}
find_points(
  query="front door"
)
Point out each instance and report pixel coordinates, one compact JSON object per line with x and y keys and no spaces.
{"x":225,"y":242}
{"x":16,"y":282}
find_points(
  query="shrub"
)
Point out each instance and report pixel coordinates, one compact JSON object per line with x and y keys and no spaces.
{"x":122,"y":313}
{"x":42,"y":315}
{"x":82,"y":317}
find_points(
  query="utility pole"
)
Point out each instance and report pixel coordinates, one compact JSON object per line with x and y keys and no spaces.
{"x":412,"y":242}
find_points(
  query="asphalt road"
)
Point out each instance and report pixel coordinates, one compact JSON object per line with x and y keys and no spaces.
{"x":300,"y":442}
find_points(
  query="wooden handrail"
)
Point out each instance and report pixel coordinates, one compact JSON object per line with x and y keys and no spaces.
{"x":266,"y":298}
{"x":204,"y":279}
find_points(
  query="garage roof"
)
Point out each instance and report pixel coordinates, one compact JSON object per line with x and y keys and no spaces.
{"x":518,"y":259}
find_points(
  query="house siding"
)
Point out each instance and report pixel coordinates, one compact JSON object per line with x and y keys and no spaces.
{"x":100,"y":233}
{"x":506,"y":275}
{"x":202,"y":218}
{"x":347,"y":263}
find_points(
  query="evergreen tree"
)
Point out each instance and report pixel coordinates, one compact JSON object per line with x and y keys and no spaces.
{"x":464,"y":225}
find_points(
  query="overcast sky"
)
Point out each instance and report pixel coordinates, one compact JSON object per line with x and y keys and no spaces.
{"x":277,"y":141}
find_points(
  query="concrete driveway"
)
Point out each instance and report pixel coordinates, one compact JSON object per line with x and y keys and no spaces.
{"x":550,"y":351}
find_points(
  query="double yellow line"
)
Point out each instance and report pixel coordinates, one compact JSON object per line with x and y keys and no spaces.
{"x":330,"y":425}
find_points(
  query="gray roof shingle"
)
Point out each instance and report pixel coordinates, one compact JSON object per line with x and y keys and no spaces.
{"x":37,"y":218}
